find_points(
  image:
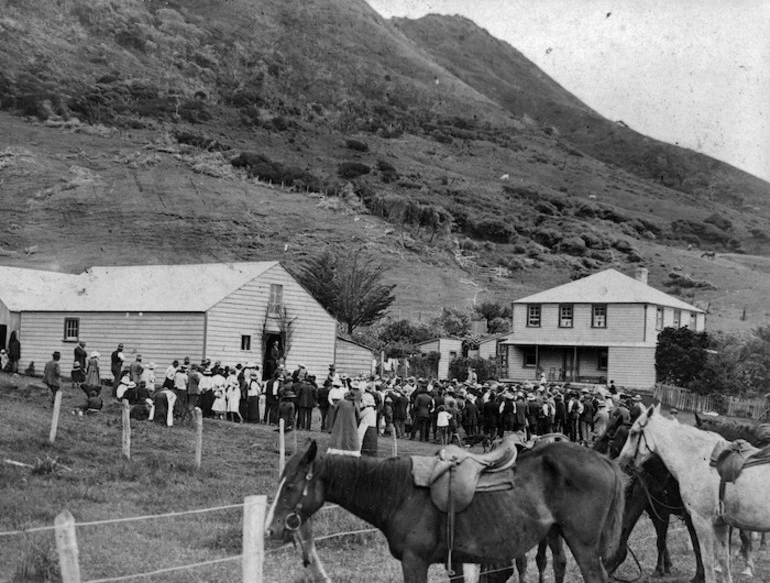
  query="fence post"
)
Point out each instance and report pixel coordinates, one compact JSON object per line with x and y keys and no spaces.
{"x":281,"y":447}
{"x":395,"y":444}
{"x":55,"y":417}
{"x":198,"y":420}
{"x":67,"y":546}
{"x":294,"y":433}
{"x":253,"y":538}
{"x":126,"y":430}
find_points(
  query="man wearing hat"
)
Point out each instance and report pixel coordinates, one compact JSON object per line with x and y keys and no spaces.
{"x":136,"y":369}
{"x":116,"y":366}
{"x":52,"y":375}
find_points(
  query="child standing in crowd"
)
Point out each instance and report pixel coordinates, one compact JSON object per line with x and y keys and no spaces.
{"x":233,"y":396}
{"x":442,"y":424}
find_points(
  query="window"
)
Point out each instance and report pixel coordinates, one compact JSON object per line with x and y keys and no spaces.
{"x":245,"y":342}
{"x":71,"y":329}
{"x":601,"y":363}
{"x":599,"y":316}
{"x":693,"y":321}
{"x":530,"y":356}
{"x":677,"y":318}
{"x":566,"y":312}
{"x":276,"y":299}
{"x":533,"y":315}
{"x":659,"y":319}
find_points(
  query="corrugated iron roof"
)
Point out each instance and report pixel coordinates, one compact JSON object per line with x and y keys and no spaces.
{"x":132,"y":288}
{"x":606,"y":287}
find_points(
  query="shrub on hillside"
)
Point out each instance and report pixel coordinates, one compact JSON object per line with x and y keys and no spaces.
{"x":585,"y":210}
{"x":706,"y":232}
{"x":547,"y":236}
{"x":441,"y":137}
{"x":356,"y":145}
{"x":681,"y":280}
{"x":260,"y":166}
{"x":496,"y":230}
{"x":719,"y":222}
{"x":351,"y":170}
{"x":572,"y":245}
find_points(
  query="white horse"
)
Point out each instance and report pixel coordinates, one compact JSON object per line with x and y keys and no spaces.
{"x":686,"y":452}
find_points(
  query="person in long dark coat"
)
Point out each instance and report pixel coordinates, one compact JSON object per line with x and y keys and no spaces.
{"x":470,"y":416}
{"x":400,"y":406}
{"x":560,"y":419}
{"x":367,"y":426}
{"x":307,"y":393}
{"x":491,"y":413}
{"x":14,"y":351}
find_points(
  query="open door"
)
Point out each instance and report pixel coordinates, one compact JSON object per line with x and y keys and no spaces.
{"x":273,"y":355}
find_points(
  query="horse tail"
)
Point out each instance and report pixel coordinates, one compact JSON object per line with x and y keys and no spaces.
{"x":613,"y":523}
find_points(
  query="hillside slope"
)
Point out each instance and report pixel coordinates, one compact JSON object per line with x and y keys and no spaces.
{"x":123,"y":121}
{"x":499,"y":71}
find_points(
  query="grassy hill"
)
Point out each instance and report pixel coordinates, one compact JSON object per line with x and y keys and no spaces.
{"x":162,"y":132}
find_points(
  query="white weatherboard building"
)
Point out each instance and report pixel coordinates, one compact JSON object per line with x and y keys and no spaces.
{"x":233,"y":313}
{"x":599,"y":328}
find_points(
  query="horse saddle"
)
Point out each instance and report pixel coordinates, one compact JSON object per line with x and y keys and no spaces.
{"x":729,"y":458}
{"x":454,"y":475}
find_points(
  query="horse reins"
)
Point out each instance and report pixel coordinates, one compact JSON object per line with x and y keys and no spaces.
{"x":293,"y":520}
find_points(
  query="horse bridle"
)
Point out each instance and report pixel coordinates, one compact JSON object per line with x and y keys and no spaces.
{"x":293,"y":520}
{"x":639,"y":441}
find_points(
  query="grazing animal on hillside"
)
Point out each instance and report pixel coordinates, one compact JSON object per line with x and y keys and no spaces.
{"x":556,"y":486}
{"x":686,"y":451}
{"x":709,"y":255}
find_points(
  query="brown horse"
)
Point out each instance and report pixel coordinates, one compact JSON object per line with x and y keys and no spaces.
{"x":653,"y":490}
{"x":560,"y":489}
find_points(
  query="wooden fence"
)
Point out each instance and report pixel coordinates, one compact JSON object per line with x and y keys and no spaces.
{"x":723,"y":404}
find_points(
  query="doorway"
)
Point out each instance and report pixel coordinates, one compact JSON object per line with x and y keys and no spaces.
{"x":3,"y":335}
{"x":273,"y":355}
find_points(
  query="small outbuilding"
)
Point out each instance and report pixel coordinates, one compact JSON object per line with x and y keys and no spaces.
{"x":448,"y":350}
{"x":353,"y":359}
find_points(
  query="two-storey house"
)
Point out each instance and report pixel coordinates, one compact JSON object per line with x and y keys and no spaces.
{"x":599,"y":328}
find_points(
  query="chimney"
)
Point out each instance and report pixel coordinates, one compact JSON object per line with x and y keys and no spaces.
{"x":641,"y":274}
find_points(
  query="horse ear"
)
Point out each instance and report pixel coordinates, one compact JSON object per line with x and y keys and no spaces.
{"x":310,"y":454}
{"x":657,"y":408}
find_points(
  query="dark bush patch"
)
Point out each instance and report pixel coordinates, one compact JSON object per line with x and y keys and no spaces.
{"x":441,"y":137}
{"x":351,"y":170}
{"x":572,"y":245}
{"x":548,"y":237}
{"x":686,"y":281}
{"x":260,"y":166}
{"x":496,"y":230}
{"x":194,"y":111}
{"x":546,"y":208}
{"x":202,"y":142}
{"x":707,"y":232}
{"x":356,"y":145}
{"x":623,"y":245}
{"x":719,"y":222}
{"x":585,"y":210}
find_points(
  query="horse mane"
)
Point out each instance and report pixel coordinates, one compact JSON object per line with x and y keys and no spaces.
{"x":375,"y":487}
{"x":730,"y":429}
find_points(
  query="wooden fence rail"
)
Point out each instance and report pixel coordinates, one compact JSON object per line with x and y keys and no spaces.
{"x":724,"y":404}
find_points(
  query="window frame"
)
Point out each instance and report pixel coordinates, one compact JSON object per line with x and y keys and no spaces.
{"x":677,"y":318}
{"x":660,"y":317}
{"x":527,"y":351}
{"x":275,"y":301}
{"x":530,"y":319}
{"x":247,"y":343}
{"x":594,"y":307}
{"x":603,"y":356}
{"x":562,"y":318}
{"x":693,"y":321}
{"x":65,"y":337}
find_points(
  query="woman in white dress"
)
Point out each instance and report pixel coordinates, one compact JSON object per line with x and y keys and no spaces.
{"x":233,"y":390}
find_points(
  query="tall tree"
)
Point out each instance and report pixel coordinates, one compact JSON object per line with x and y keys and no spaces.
{"x":349,"y":286}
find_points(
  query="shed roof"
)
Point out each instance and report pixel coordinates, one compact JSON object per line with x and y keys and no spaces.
{"x":132,"y":288}
{"x":607,"y":287}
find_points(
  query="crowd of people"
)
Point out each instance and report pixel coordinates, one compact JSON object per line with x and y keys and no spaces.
{"x":354,"y":410}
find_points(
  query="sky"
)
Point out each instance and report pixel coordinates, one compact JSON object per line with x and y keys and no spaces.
{"x":690,"y":72}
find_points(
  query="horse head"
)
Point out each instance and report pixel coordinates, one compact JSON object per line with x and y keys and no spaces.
{"x":299,"y":495}
{"x":639,"y":444}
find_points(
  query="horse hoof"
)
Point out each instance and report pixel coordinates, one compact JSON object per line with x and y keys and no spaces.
{"x":747,"y":572}
{"x":717,"y":569}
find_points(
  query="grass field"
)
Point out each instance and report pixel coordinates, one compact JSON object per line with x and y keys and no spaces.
{"x":98,"y":485}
